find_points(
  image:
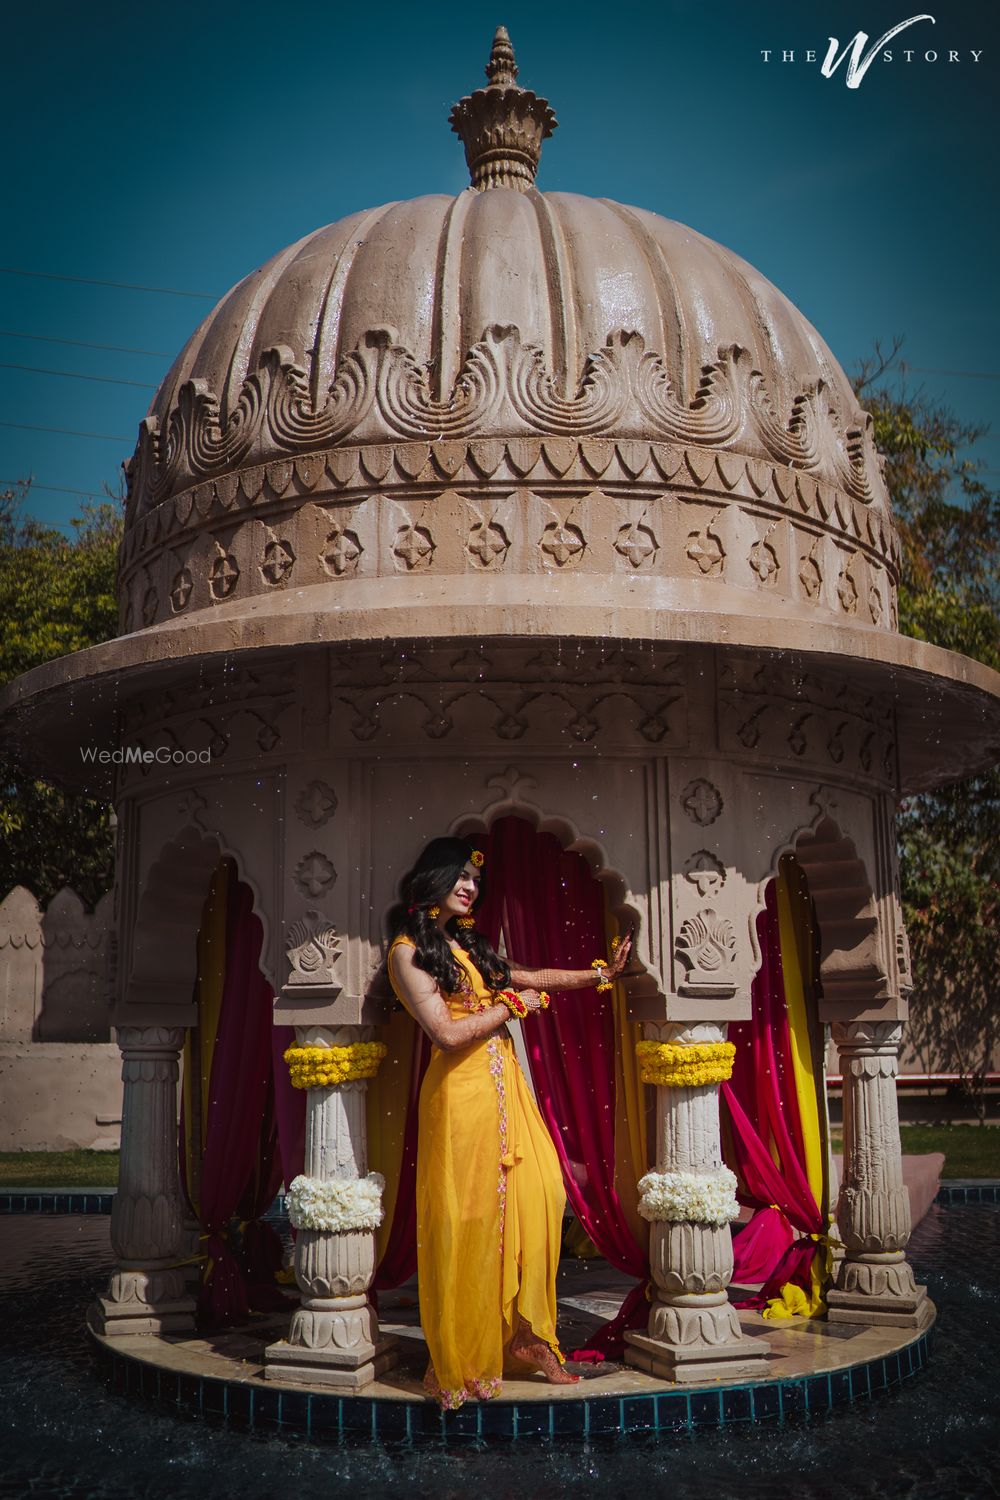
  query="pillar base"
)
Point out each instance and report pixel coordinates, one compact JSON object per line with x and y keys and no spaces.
{"x":915,"y":1312}
{"x":143,"y":1301}
{"x":741,"y":1359}
{"x":343,"y":1369}
{"x":879,"y":1289}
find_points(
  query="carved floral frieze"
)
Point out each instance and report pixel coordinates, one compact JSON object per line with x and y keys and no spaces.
{"x":380,"y":394}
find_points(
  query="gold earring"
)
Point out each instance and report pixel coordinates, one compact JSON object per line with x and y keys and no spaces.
{"x":433,"y":912}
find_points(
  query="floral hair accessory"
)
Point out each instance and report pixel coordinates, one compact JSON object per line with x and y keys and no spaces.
{"x":477,"y":858}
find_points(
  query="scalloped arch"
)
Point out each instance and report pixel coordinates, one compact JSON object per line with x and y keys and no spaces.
{"x":164,"y":958}
{"x":852,"y":971}
{"x":569,"y":836}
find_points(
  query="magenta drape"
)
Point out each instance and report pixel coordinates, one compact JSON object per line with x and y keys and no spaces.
{"x":763,"y":1135}
{"x":551,"y":911}
{"x":240,"y":1172}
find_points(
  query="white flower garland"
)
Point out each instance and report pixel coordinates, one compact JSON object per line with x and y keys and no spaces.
{"x":340,"y":1204}
{"x":695,"y":1197}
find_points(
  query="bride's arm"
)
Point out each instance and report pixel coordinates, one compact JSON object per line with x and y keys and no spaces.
{"x":424,"y":1001}
{"x":572,"y":979}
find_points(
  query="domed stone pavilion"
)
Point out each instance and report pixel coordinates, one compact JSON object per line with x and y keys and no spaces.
{"x":509,"y":503}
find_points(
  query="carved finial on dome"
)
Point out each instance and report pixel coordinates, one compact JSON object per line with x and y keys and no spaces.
{"x":502,"y":126}
{"x":501,"y":67}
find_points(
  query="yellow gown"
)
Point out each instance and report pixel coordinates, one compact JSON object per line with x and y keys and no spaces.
{"x":489,"y":1207}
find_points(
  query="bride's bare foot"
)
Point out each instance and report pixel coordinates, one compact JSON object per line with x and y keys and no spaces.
{"x":533,"y":1352}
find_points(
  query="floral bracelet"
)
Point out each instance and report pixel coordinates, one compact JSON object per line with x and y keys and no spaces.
{"x":605,"y":982}
{"x":513,"y":1002}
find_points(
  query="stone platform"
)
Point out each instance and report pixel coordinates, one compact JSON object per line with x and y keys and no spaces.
{"x":812,"y":1366}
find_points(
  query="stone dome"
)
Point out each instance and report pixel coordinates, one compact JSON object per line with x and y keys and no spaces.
{"x":433,"y":441}
{"x":509,"y":381}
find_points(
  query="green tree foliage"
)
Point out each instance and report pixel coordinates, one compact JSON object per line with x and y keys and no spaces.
{"x":57,"y":594}
{"x":949,"y":522}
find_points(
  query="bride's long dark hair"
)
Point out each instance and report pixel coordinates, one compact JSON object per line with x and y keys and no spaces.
{"x":432,"y":878}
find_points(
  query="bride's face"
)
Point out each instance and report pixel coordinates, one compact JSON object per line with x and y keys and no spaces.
{"x":461,"y":898}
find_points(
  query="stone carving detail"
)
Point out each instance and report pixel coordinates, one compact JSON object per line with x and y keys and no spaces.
{"x":150,"y":605}
{"x":268,"y":737}
{"x":797,"y":740}
{"x":583,"y":728}
{"x":342,"y":553}
{"x":488,"y":544}
{"x":705,"y":549}
{"x":316,"y":804}
{"x":224,"y":576}
{"x":706,"y":873}
{"x":814,"y":716}
{"x":835,"y":744}
{"x":180,"y":590}
{"x":637,"y":544}
{"x":702,"y":802}
{"x":279,"y":559}
{"x":764,"y":561}
{"x":748,"y":733}
{"x":312,"y":949}
{"x":191,"y":807}
{"x":847,"y":592}
{"x":810,"y":576}
{"x":503,"y":385}
{"x":414,"y":547}
{"x":564,"y":544}
{"x":826,"y":802}
{"x":314,"y":874}
{"x":707,"y":942}
{"x":875,"y":606}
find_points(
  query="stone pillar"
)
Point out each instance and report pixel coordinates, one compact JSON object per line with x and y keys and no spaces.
{"x":693,"y":1333}
{"x":334,"y":1335}
{"x":147,"y":1292}
{"x":874,"y":1281}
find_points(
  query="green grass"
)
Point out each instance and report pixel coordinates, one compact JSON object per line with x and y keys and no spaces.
{"x":49,"y":1169}
{"x":969,"y":1150}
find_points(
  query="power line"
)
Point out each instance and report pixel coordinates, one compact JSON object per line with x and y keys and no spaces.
{"x":967,"y":374}
{"x":108,"y":437}
{"x":125,"y":286}
{"x":57,"y":489}
{"x":75,"y":375}
{"x":43,"y":338}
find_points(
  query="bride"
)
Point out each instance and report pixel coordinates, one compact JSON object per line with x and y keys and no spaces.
{"x":488,"y":1185}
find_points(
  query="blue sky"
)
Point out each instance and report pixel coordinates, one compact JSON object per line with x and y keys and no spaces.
{"x":179,"y":147}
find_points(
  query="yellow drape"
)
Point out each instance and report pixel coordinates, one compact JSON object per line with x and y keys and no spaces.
{"x":796,"y":938}
{"x":199,"y":1044}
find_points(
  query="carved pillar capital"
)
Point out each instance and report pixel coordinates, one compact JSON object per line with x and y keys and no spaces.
{"x":868,"y":1038}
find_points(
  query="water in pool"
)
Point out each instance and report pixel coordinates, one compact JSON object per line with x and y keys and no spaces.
{"x":63,"y":1435}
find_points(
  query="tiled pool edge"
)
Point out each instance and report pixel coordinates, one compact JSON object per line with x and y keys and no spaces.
{"x":99,"y":1200}
{"x":323,"y":1417}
